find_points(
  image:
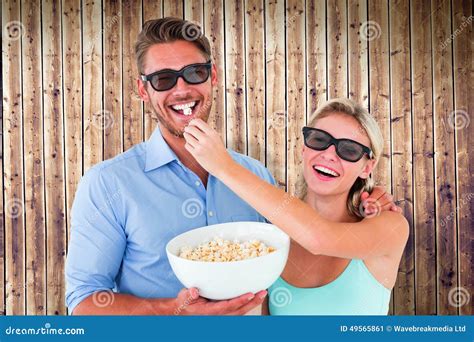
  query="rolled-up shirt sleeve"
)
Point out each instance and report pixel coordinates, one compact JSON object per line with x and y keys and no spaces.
{"x":97,"y":242}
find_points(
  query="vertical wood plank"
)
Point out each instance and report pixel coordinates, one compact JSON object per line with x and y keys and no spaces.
{"x":92,"y":83}
{"x":255,"y":76}
{"x":132,"y":104}
{"x":193,"y":11}
{"x":235,"y":76}
{"x":12,"y":32}
{"x":54,"y":156}
{"x":464,"y":107}
{"x":444,"y":136}
{"x":379,"y":88}
{"x":424,"y":206}
{"x":400,"y":85}
{"x":379,"y":83}
{"x":2,"y":207}
{"x":296,"y":89}
{"x":112,"y":113}
{"x":416,"y":70}
{"x":214,"y":31}
{"x":358,"y":75}
{"x":275,"y":82}
{"x":337,"y":48}
{"x":71,"y":17}
{"x":316,"y":54}
{"x":33,"y":149}
{"x":151,"y":10}
{"x":173,"y":8}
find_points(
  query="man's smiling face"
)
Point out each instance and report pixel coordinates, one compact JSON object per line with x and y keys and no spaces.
{"x":169,"y":106}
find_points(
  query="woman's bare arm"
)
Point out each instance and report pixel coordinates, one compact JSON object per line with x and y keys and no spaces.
{"x":372,"y":237}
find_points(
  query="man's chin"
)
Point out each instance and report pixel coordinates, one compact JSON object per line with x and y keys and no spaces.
{"x":175,"y":126}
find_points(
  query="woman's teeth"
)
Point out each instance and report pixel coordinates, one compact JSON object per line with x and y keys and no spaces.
{"x":326,"y":171}
{"x":186,"y":108}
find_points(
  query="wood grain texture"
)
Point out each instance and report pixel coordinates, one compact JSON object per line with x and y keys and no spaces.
{"x":110,"y":118}
{"x":72,"y":84}
{"x":463,"y":48}
{"x":401,"y":127}
{"x":34,"y":167}
{"x":2,"y":203}
{"x":214,"y":30}
{"x":235,"y":76}
{"x":92,"y":83}
{"x":13,"y":160}
{"x":132,"y":104}
{"x":423,"y":162}
{"x":173,"y":8}
{"x":193,"y":11}
{"x":151,"y":10}
{"x":337,"y":48}
{"x":316,"y":87}
{"x":295,"y":90}
{"x":358,"y":63}
{"x":69,"y":101}
{"x":54,"y":157}
{"x":255,"y":78}
{"x":444,"y":146}
{"x":275,"y":84}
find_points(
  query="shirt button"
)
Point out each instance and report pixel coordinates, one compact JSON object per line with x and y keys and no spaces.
{"x":197,"y":183}
{"x":211,"y":213}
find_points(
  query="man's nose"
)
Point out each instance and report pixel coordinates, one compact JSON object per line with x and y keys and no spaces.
{"x":181,"y":84}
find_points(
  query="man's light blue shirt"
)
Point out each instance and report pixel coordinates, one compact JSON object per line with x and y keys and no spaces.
{"x":127,"y":208}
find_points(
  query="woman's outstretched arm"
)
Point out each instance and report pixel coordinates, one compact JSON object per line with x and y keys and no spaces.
{"x":381,"y":235}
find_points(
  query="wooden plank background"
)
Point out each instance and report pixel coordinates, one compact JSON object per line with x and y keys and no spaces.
{"x":69,"y":100}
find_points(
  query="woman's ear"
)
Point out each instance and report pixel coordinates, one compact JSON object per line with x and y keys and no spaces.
{"x":367,"y":170}
{"x":213,"y":75}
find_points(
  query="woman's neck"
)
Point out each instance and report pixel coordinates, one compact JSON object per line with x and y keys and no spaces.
{"x":331,"y":207}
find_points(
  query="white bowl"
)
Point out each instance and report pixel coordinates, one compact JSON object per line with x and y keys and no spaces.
{"x":225,"y":280}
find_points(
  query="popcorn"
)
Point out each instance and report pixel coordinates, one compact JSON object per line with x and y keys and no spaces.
{"x":224,"y":250}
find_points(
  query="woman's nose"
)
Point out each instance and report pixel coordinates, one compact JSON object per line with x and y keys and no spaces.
{"x":330,"y":153}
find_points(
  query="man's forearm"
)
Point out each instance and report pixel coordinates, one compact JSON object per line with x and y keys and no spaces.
{"x":125,"y":304}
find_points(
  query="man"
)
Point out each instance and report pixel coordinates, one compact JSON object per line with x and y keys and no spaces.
{"x":127,"y":208}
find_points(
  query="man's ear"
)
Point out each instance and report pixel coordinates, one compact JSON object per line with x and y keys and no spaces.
{"x":142,"y":90}
{"x":367,"y":170}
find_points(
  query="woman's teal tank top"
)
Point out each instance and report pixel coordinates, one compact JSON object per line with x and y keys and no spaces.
{"x":354,"y":292}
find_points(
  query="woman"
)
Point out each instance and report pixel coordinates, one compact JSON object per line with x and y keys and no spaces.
{"x":339,"y":263}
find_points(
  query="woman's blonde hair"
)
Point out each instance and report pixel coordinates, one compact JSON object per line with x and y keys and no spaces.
{"x":370,"y":127}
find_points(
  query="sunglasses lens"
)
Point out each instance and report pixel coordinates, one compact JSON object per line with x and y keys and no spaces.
{"x":196,"y":74}
{"x":350,"y":151}
{"x":317,"y":140}
{"x":320,"y":140}
{"x":163,"y":81}
{"x":193,"y":74}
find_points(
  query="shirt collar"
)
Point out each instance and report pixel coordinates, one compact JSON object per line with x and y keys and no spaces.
{"x":158,"y":152}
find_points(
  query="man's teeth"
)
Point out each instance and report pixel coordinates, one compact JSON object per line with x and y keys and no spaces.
{"x":185,"y":107}
{"x":327,"y":171}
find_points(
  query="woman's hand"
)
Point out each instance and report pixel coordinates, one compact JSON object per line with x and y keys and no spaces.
{"x":206,"y":146}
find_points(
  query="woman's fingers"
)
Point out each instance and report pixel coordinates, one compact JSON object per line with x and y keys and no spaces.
{"x":190,"y":139}
{"x":204,"y":127}
{"x":195,"y":132}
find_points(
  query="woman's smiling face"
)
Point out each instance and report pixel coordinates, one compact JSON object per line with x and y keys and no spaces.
{"x":319,"y":163}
